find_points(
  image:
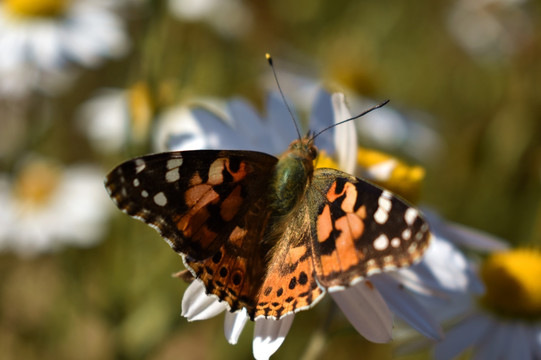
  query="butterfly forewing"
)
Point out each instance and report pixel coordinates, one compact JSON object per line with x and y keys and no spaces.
{"x":359,"y":229}
{"x":195,"y":199}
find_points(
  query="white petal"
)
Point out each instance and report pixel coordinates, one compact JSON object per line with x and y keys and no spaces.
{"x":322,"y":117}
{"x":462,"y":235}
{"x":520,"y":347}
{"x":218,"y":134}
{"x":367,"y":311}
{"x":345,"y":136}
{"x":280,"y":120}
{"x":445,"y":268}
{"x":177,"y":130}
{"x":462,"y":336}
{"x":197,"y":305}
{"x":403,"y":304}
{"x":382,"y":171}
{"x":234,"y":324}
{"x":494,"y":343}
{"x":536,"y":342}
{"x":269,"y":335}
{"x":184,"y":128}
{"x":250,"y":126}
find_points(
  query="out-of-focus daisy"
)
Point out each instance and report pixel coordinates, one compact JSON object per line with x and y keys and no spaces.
{"x":229,"y":18}
{"x":505,"y":322}
{"x":39,"y":38}
{"x":46,"y":206}
{"x":490,"y":29}
{"x":370,"y":303}
{"x":115,"y":116}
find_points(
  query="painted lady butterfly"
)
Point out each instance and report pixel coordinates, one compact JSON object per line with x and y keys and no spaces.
{"x":266,"y":234}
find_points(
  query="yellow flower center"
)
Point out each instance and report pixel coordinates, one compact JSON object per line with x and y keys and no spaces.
{"x":513,"y":283}
{"x":391,"y":173}
{"x":141,"y":109}
{"x":36,"y":183}
{"x":36,"y":8}
{"x":325,"y":161}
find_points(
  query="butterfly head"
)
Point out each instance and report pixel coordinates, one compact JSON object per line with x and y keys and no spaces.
{"x":304,"y":148}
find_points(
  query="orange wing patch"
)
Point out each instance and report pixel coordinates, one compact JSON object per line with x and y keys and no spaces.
{"x":290,"y":282}
{"x":289,"y":286}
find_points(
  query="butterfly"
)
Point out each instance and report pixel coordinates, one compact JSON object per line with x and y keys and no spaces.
{"x":270,"y":235}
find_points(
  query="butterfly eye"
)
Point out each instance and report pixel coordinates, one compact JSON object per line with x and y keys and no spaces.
{"x":313,"y":151}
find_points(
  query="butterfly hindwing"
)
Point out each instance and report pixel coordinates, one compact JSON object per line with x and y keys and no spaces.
{"x":290,"y":282}
{"x":235,"y":271}
{"x":359,"y":229}
{"x":195,"y":199}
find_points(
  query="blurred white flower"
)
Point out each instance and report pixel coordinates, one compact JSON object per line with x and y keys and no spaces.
{"x":490,"y":29}
{"x":45,"y":207}
{"x":370,"y":303}
{"x":40,"y":38}
{"x":115,"y":116}
{"x":229,"y":18}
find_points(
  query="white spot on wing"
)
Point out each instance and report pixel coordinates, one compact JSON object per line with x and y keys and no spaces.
{"x":384,"y":200}
{"x":381,"y":242}
{"x":384,"y":206}
{"x":410,"y":215}
{"x":160,"y":199}
{"x":144,"y":193}
{"x":395,"y":242}
{"x":136,"y":182}
{"x":139,"y":165}
{"x":406,"y":234}
{"x":172,"y":175}
{"x":174,"y":163}
{"x":412,"y":248}
{"x":381,"y":216}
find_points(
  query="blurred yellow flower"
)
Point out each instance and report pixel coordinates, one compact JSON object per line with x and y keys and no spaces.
{"x":391,"y":173}
{"x":325,"y":161}
{"x":36,"y":183}
{"x":37,"y":8}
{"x":512,"y":281}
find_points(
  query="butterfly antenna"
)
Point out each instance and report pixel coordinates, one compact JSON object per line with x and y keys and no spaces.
{"x":269,"y":59}
{"x":352,"y":118}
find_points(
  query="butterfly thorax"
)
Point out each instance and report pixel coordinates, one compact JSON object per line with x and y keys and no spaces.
{"x":291,"y":176}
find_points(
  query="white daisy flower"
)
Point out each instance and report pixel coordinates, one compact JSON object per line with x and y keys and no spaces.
{"x":369,"y":304}
{"x":45,"y":207}
{"x":229,"y":18}
{"x":505,"y":322}
{"x":115,"y":116}
{"x":405,"y":131}
{"x":41,"y":37}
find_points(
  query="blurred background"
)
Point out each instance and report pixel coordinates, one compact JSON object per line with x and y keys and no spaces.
{"x":84,"y":84}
